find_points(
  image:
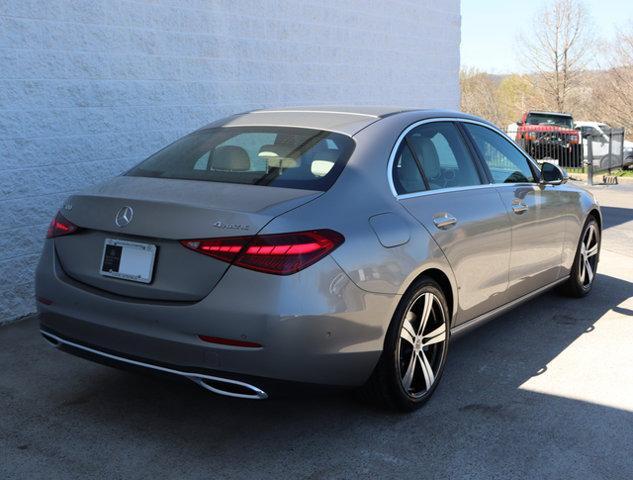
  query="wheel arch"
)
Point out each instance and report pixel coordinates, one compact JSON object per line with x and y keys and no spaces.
{"x":594,"y":212}
{"x":443,"y":280}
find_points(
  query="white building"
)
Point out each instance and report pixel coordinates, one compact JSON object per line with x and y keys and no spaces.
{"x":89,"y":88}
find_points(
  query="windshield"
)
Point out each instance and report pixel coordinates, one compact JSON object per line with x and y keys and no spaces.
{"x":549,"y":119}
{"x":275,"y":156}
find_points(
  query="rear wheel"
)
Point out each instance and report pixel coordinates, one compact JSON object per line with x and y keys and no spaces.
{"x":415,"y":349}
{"x":583,"y":273}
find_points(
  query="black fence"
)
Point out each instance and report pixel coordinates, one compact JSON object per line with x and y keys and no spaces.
{"x":566,"y":149}
{"x":603,"y":149}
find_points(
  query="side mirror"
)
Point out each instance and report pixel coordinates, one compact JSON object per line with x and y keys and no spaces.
{"x":552,"y":174}
{"x":519,"y":123}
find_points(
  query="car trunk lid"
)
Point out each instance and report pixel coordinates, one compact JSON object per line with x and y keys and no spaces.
{"x":163,"y":212}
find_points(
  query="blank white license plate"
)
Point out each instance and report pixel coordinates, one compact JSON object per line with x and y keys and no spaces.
{"x":128,"y":260}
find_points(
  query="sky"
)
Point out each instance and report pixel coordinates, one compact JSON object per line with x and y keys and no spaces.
{"x":490,"y":29}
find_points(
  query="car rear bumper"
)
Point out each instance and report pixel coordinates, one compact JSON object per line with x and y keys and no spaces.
{"x":316,"y":326}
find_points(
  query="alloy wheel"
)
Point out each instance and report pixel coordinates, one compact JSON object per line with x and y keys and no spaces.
{"x":588,"y":256}
{"x":423,"y":337}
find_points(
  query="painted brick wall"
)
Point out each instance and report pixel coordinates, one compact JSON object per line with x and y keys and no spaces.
{"x":90,"y":87}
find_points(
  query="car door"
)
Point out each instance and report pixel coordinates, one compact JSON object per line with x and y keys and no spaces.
{"x":442,"y":185}
{"x":536,"y":212}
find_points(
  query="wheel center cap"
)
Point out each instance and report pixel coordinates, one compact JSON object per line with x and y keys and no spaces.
{"x":418,"y":344}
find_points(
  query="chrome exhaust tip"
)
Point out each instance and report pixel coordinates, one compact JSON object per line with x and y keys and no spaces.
{"x":229,"y":388}
{"x":218,"y":385}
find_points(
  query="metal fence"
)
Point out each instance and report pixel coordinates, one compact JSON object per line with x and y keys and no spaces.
{"x":604,"y":151}
{"x":565,"y":149}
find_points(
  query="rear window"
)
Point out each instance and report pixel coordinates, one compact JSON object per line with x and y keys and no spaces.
{"x":276,"y":156}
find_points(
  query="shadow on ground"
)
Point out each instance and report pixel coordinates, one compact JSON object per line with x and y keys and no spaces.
{"x":614,"y":216}
{"x":63,"y":416}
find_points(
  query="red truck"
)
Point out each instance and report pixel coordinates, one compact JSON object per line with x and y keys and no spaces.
{"x":550,"y":135}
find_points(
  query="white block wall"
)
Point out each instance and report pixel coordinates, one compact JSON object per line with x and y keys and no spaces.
{"x":90,"y":87}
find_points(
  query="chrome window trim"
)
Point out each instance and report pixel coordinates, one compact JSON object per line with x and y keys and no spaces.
{"x":392,"y":158}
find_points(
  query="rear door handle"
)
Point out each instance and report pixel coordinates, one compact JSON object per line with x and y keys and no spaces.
{"x":444,"y":220}
{"x":519,"y":208}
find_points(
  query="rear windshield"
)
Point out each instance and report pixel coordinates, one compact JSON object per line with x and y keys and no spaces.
{"x":547,"y":119}
{"x":276,"y":156}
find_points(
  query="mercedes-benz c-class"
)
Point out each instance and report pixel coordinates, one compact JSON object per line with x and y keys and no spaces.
{"x":333,"y":246}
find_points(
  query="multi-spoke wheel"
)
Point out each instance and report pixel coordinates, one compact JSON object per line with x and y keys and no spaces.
{"x":588,"y":255}
{"x":586,"y":262}
{"x":423,"y":338}
{"x":415,"y":349}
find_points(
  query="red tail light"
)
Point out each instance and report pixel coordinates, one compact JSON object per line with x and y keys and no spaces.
{"x":229,"y":341}
{"x":279,"y":254}
{"x":60,"y":226}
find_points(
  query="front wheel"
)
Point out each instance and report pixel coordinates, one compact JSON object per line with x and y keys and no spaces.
{"x":583,"y":272}
{"x":414,"y":354}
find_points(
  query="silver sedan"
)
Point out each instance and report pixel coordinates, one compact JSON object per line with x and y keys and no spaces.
{"x":332,"y":246}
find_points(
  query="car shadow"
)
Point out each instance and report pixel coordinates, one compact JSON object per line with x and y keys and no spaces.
{"x":614,"y":216}
{"x":478,"y":410}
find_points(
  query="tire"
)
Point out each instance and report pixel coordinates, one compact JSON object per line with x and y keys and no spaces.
{"x":411,"y":357}
{"x":609,"y":161}
{"x":583,"y":272}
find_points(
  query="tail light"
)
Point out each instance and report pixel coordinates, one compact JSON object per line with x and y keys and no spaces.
{"x":59,"y":226}
{"x":229,"y":341}
{"x":279,"y":254}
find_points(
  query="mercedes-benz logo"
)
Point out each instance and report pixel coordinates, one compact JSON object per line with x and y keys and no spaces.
{"x":123,"y":216}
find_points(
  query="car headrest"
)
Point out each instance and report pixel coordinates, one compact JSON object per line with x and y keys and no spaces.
{"x":430,"y":160}
{"x":230,"y":158}
{"x":323,"y":162}
{"x":278,"y":156}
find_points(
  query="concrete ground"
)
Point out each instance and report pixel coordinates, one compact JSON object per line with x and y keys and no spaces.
{"x":545,"y":391}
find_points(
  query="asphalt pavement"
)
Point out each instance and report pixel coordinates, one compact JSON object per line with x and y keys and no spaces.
{"x":545,"y":391}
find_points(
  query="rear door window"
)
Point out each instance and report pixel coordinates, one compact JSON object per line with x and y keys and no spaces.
{"x":445,"y":160}
{"x":275,"y":156}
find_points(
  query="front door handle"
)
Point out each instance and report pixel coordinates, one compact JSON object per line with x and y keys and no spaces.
{"x":444,"y":220}
{"x":519,"y":208}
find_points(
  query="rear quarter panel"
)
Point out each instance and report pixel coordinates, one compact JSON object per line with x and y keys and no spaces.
{"x":360,"y":193}
{"x":578,"y":203}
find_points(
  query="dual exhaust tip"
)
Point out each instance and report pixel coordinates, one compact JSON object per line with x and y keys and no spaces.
{"x":218,"y":385}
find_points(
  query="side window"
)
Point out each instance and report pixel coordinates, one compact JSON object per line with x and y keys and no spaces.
{"x":444,"y":158}
{"x":406,"y":174}
{"x":202,"y":163}
{"x":586,"y":131}
{"x":505,"y":162}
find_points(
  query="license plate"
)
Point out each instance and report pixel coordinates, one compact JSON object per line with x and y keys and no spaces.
{"x":128,"y":260}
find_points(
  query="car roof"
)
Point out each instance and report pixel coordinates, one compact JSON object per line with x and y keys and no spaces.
{"x":348,"y":120}
{"x":559,"y":114}
{"x":588,"y":123}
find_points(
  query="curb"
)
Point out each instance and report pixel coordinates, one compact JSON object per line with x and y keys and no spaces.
{"x":583,"y":177}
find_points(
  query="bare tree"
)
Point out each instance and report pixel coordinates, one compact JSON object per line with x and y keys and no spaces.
{"x":556,"y":48}
{"x":617,"y":96}
{"x":478,"y":95}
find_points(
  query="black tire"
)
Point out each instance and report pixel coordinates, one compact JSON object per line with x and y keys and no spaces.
{"x":580,"y":282}
{"x":386,"y":384}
